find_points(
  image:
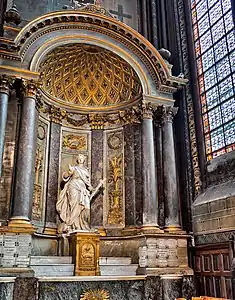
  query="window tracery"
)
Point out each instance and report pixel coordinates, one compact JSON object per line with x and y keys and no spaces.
{"x":214,"y":42}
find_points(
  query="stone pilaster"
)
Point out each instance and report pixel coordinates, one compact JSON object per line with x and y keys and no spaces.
{"x":4,"y":95}
{"x":150,"y":197}
{"x":169,"y":166}
{"x":56,"y":117}
{"x":24,"y":173}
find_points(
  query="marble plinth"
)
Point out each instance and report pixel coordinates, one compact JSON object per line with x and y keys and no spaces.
{"x":85,"y":251}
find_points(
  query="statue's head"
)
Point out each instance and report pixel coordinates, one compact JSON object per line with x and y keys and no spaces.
{"x":81,"y":158}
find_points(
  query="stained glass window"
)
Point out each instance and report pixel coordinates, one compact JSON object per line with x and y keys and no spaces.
{"x":214,"y":41}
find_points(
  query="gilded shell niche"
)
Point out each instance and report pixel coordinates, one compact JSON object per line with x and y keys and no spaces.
{"x":84,"y":76}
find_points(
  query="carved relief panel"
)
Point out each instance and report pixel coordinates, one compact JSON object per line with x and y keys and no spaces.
{"x":114,"y":204}
{"x":40,"y":171}
{"x":74,"y":141}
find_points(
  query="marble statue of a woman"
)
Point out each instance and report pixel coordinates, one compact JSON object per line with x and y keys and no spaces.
{"x":73,"y":204}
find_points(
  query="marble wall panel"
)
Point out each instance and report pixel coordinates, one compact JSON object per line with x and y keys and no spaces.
{"x":116,"y":290}
{"x":129,"y":171}
{"x":114,"y":204}
{"x":53,"y":171}
{"x":8,"y":159}
{"x":25,"y":288}
{"x":96,"y":176}
{"x":40,"y":177}
{"x":6,"y":289}
{"x":138,"y":175}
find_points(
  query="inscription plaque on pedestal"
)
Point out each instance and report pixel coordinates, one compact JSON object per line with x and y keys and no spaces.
{"x":85,"y":249}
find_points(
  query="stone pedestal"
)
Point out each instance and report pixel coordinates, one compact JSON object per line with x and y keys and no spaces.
{"x":85,"y":249}
{"x":163,"y":254}
{"x":15,"y":249}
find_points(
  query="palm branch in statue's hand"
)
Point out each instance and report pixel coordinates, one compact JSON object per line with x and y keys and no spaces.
{"x":95,"y":191}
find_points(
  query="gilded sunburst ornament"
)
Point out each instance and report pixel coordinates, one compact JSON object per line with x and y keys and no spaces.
{"x":95,"y":295}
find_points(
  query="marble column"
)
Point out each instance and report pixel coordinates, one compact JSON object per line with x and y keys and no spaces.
{"x":4,"y":95}
{"x":159,"y":166}
{"x":150,"y":196}
{"x":169,"y":166}
{"x":25,"y":161}
{"x":56,"y":116}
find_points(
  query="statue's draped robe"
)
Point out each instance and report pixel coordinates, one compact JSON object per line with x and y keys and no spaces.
{"x":73,"y":204}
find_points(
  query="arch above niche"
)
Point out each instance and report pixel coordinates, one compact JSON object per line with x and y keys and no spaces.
{"x":93,"y":27}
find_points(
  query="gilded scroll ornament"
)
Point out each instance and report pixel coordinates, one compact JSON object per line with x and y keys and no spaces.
{"x":95,"y":295}
{"x":74,"y":142}
{"x":115,"y":200}
{"x":36,"y":209}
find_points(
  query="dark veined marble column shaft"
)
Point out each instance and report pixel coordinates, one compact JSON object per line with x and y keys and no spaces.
{"x":150,"y":198}
{"x":24,"y":173}
{"x":4,"y":95}
{"x":169,"y":166}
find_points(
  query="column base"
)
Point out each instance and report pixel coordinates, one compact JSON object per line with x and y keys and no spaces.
{"x":50,"y":231}
{"x":173,"y":228}
{"x":151,"y":229}
{"x":19,"y":225}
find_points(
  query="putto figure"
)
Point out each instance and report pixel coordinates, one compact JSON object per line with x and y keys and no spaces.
{"x":74,"y":200}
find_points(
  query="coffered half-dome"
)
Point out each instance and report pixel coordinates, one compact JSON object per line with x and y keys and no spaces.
{"x":81,"y":75}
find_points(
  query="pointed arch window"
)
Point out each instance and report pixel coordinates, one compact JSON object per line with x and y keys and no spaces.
{"x":214,"y":43}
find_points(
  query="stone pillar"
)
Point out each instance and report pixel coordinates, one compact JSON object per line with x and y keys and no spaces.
{"x":150,"y":197}
{"x":4,"y":95}
{"x":56,"y":116}
{"x":169,"y":166}
{"x":24,"y":173}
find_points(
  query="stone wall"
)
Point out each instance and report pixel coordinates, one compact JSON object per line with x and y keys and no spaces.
{"x":214,"y":209}
{"x":123,"y":10}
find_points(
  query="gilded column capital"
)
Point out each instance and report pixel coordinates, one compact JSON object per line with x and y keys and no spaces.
{"x":147,"y":110}
{"x":56,"y":114}
{"x":5,"y":84}
{"x":168,"y":113}
{"x":30,"y":88}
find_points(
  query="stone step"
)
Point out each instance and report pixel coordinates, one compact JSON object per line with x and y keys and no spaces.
{"x":67,"y":270}
{"x":115,"y":261}
{"x":57,"y":266}
{"x":56,"y":270}
{"x":50,"y":260}
{"x":118,"y":270}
